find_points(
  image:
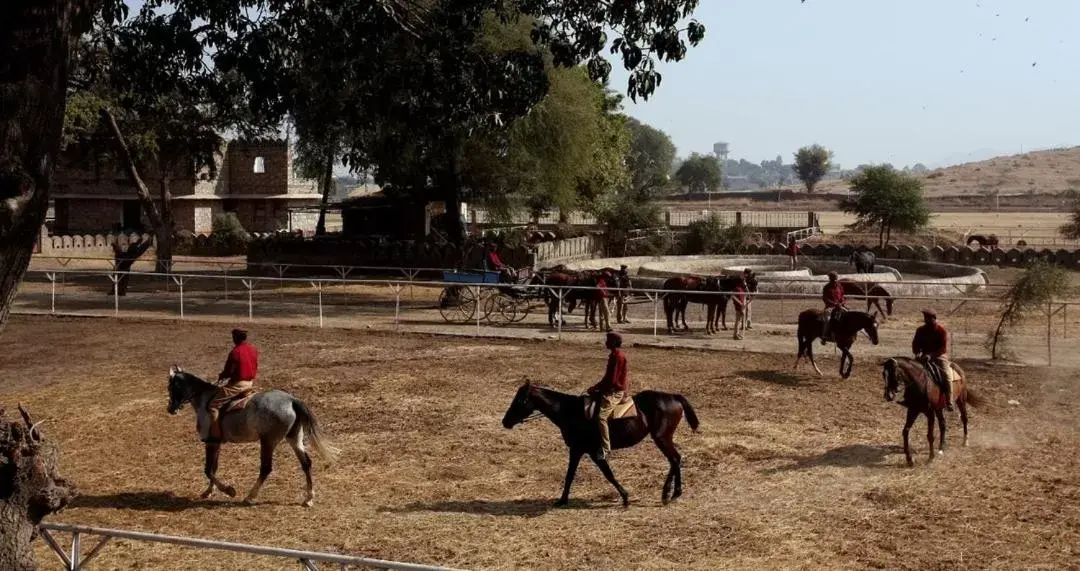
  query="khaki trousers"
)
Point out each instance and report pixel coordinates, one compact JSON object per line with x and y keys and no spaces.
{"x":604,"y":410}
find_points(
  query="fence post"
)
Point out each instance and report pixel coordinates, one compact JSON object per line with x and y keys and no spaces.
{"x":655,"y":311}
{"x":226,"y":268}
{"x":319,"y":287}
{"x":115,"y":277}
{"x":397,"y":303}
{"x":1049,"y":344}
{"x":479,"y":310}
{"x":180,"y":282}
{"x":558,"y":314}
{"x":52,"y":282}
{"x":250,"y":285}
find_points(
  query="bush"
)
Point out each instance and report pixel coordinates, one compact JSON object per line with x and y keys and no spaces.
{"x":622,"y":217}
{"x":711,"y":236}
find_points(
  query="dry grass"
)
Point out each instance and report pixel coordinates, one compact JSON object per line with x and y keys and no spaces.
{"x":789,"y":471}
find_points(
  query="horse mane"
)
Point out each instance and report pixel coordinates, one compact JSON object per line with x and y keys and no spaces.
{"x":193,"y":377}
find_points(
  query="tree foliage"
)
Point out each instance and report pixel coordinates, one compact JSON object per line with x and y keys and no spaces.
{"x":649,"y":159}
{"x":700,"y":173}
{"x":711,"y":235}
{"x":888,"y":200}
{"x":1071,"y":229}
{"x":812,"y":163}
{"x":1031,"y":294}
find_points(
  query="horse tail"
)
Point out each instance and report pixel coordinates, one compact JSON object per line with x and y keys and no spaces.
{"x":311,"y":425}
{"x":691,"y":416}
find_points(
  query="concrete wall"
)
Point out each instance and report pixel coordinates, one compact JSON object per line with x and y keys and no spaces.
{"x":571,"y":249}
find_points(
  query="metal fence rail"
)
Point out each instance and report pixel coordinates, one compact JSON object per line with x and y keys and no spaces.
{"x":73,"y":561}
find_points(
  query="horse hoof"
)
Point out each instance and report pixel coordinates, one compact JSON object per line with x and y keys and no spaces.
{"x":249,"y":501}
{"x":229,"y":491}
{"x":626,"y":501}
{"x":307,"y":503}
{"x":562,"y":503}
{"x":206,"y":494}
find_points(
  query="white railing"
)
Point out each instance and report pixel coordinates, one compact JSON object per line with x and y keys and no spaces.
{"x":74,"y":561}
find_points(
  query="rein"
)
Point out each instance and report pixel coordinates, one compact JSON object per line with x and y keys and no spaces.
{"x":535,"y":415}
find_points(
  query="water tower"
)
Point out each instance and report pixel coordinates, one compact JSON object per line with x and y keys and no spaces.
{"x":720,"y":150}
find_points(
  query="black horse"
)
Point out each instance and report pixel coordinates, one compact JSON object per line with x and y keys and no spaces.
{"x":658,"y":415}
{"x":863,"y":260}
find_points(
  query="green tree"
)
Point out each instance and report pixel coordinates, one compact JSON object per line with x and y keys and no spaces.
{"x":650,"y":158}
{"x":427,"y":84}
{"x":888,"y":200}
{"x":700,"y":173}
{"x":1032,"y":293}
{"x":1071,"y":229}
{"x":812,"y":164}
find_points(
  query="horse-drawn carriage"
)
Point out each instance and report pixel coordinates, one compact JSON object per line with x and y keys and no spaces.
{"x":507,"y":303}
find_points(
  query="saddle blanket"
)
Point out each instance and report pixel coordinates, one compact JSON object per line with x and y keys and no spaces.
{"x":625,"y":409}
{"x":238,"y":402}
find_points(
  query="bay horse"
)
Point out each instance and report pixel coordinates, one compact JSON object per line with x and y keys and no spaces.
{"x":269,"y":417}
{"x":680,"y":290}
{"x":658,"y":415}
{"x":873,"y":293}
{"x":863,"y":260}
{"x":717,"y":306}
{"x":922,"y":396}
{"x":844,"y":332}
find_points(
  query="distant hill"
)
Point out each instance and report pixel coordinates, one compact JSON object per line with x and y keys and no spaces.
{"x":1047,"y":172}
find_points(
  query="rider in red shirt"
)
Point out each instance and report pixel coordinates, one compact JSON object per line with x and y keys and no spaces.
{"x":610,"y":391}
{"x":931,"y":343}
{"x":239,"y":375}
{"x":833,"y":296}
{"x":793,"y":250}
{"x":492,"y":261}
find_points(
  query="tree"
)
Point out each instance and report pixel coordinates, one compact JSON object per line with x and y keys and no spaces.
{"x":427,"y":86}
{"x":30,"y":488}
{"x":649,"y":159}
{"x":1071,"y":229}
{"x":888,"y":200}
{"x":812,"y":164}
{"x":700,"y":173}
{"x":1030,"y":293}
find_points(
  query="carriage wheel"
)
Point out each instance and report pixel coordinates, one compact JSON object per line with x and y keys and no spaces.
{"x":453,"y":304}
{"x":501,"y":309}
{"x":522,"y":307}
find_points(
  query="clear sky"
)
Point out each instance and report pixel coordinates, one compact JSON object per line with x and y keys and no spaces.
{"x":900,"y":81}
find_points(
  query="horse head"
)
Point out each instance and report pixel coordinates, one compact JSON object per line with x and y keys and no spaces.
{"x":870,"y":325}
{"x":892,"y":383}
{"x":521,"y":407}
{"x":181,"y":388}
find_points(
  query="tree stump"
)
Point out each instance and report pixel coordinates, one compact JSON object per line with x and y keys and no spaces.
{"x":30,"y":488}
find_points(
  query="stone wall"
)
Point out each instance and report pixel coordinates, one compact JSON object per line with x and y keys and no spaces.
{"x":86,"y":245}
{"x":568,"y":250}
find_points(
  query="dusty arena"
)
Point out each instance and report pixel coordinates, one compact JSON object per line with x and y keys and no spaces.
{"x":788,"y":471}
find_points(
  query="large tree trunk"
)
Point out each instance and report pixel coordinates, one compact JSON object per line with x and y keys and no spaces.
{"x":328,"y":185}
{"x":166,"y":233}
{"x":124,"y":258}
{"x":881,"y":235}
{"x":35,"y":53}
{"x":30,"y":489}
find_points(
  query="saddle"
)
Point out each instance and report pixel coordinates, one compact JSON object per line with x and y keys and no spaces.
{"x":625,"y":409}
{"x":238,"y":402}
{"x":937,"y":375}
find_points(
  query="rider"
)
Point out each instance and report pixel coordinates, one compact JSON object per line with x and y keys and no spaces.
{"x":240,"y":370}
{"x":931,"y":343}
{"x":833,"y":296}
{"x":493,"y":262}
{"x":602,"y":298}
{"x":610,"y":391}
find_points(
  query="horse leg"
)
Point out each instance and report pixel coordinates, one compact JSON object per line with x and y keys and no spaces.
{"x":710,"y":315}
{"x":296,"y":441}
{"x":667,"y":447}
{"x":941,"y":432}
{"x":749,"y":305}
{"x":930,"y":434}
{"x":847,"y":362}
{"x":723,"y":312}
{"x":571,"y":469}
{"x":266,"y":465}
{"x":912,"y":416}
{"x":810,"y":354}
{"x":683,"y":304}
{"x":605,"y":469}
{"x":961,"y":403}
{"x":212,"y":451}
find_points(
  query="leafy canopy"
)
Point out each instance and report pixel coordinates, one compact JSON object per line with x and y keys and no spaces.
{"x":700,"y":173}
{"x":888,"y":200}
{"x":649,"y":160}
{"x":812,"y":163}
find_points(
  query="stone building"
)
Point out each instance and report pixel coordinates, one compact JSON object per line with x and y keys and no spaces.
{"x":254,"y":179}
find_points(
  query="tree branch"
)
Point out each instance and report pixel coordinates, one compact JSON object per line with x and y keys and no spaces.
{"x":133,"y":171}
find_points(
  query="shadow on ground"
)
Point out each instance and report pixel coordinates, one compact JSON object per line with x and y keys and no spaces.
{"x":149,"y":501}
{"x":781,"y":378}
{"x":852,"y":456}
{"x":526,"y":507}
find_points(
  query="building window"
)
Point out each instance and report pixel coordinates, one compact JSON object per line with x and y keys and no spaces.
{"x":260,"y":165}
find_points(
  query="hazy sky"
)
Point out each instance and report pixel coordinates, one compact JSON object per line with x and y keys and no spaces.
{"x":899,"y":81}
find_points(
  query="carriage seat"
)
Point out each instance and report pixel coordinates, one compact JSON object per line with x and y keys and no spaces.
{"x":625,"y":409}
{"x":238,"y":402}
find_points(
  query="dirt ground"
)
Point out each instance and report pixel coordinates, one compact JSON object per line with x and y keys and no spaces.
{"x":789,"y":471}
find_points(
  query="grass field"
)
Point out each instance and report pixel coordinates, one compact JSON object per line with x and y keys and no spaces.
{"x":789,"y":471}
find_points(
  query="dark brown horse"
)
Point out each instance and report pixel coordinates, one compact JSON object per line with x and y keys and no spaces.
{"x":843,"y":333}
{"x":873,"y":293}
{"x":658,"y":415}
{"x":681,"y":291}
{"x":923,"y":396}
{"x":717,"y":305}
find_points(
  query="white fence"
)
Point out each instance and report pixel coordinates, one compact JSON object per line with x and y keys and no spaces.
{"x":74,"y":561}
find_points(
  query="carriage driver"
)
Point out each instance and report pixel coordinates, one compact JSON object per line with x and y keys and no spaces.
{"x":833,"y":296}
{"x":492,"y":262}
{"x":931,"y":343}
{"x":239,"y":374}
{"x":610,"y":391}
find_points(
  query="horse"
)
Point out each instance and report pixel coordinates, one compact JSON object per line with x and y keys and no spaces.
{"x":716,"y":316}
{"x":844,"y":332}
{"x":923,"y":396}
{"x":681,"y":289}
{"x":657,"y":415}
{"x":873,"y":293}
{"x":863,"y":260}
{"x":553,"y":280}
{"x":269,"y":417}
